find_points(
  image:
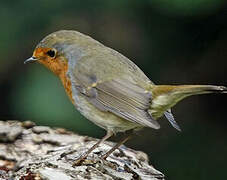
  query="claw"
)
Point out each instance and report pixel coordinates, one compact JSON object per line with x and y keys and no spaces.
{"x":77,"y":162}
{"x":84,"y":161}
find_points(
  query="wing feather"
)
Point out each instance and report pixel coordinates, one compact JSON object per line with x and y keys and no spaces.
{"x":121,"y":97}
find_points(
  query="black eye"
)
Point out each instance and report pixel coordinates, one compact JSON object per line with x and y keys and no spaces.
{"x":51,"y":53}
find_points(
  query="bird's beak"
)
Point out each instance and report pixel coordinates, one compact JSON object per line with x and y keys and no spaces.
{"x":31,"y":59}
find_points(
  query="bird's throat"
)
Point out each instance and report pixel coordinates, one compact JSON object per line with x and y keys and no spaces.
{"x":60,"y":68}
{"x":67,"y":85}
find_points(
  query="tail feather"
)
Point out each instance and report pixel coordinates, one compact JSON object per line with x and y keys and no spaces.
{"x":218,"y":89}
{"x":187,"y":89}
{"x":164,"y":97}
{"x":171,"y":119}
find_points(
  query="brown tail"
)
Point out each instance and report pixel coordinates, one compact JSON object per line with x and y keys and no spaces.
{"x":187,"y":89}
{"x":166,"y":96}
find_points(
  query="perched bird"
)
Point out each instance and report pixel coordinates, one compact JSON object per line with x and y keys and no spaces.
{"x":107,"y":88}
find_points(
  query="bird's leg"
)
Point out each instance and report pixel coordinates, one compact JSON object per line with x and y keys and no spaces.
{"x":122,"y":141}
{"x":81,"y":158}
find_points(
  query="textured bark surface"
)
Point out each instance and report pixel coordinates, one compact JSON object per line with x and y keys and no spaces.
{"x":30,"y":152}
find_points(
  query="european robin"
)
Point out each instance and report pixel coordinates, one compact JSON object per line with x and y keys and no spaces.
{"x":109,"y":89}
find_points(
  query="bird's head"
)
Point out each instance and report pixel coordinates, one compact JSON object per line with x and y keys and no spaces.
{"x":49,"y":53}
{"x":56,"y":50}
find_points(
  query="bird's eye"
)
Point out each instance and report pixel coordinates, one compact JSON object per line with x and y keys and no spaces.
{"x":51,"y":53}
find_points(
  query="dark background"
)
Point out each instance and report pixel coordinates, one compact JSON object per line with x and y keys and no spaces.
{"x":174,"y":42}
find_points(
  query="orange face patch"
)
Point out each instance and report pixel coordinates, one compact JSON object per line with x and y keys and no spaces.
{"x":41,"y":53}
{"x":51,"y":61}
{"x":57,"y":64}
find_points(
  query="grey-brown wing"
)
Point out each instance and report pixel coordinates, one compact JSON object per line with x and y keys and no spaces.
{"x":120,"y":97}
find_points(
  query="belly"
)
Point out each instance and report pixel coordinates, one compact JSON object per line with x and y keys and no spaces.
{"x":103,"y":119}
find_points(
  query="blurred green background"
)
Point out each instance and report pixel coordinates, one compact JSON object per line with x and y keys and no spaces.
{"x":174,"y":42}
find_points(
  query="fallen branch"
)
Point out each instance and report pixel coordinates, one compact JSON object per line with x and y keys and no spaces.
{"x":38,"y":152}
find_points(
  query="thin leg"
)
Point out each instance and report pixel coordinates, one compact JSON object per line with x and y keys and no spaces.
{"x":123,"y":140}
{"x":82,"y":157}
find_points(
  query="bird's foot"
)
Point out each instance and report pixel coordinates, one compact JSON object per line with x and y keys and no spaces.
{"x":79,"y":161}
{"x":83,"y":161}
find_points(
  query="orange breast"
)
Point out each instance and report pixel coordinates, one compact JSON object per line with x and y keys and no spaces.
{"x":67,"y":85}
{"x":66,"y":81}
{"x":60,"y":68}
{"x":58,"y":65}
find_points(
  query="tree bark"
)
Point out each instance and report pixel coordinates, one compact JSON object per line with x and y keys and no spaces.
{"x":30,"y":152}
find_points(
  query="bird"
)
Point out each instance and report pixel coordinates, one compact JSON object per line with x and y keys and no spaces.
{"x":108,"y":88}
